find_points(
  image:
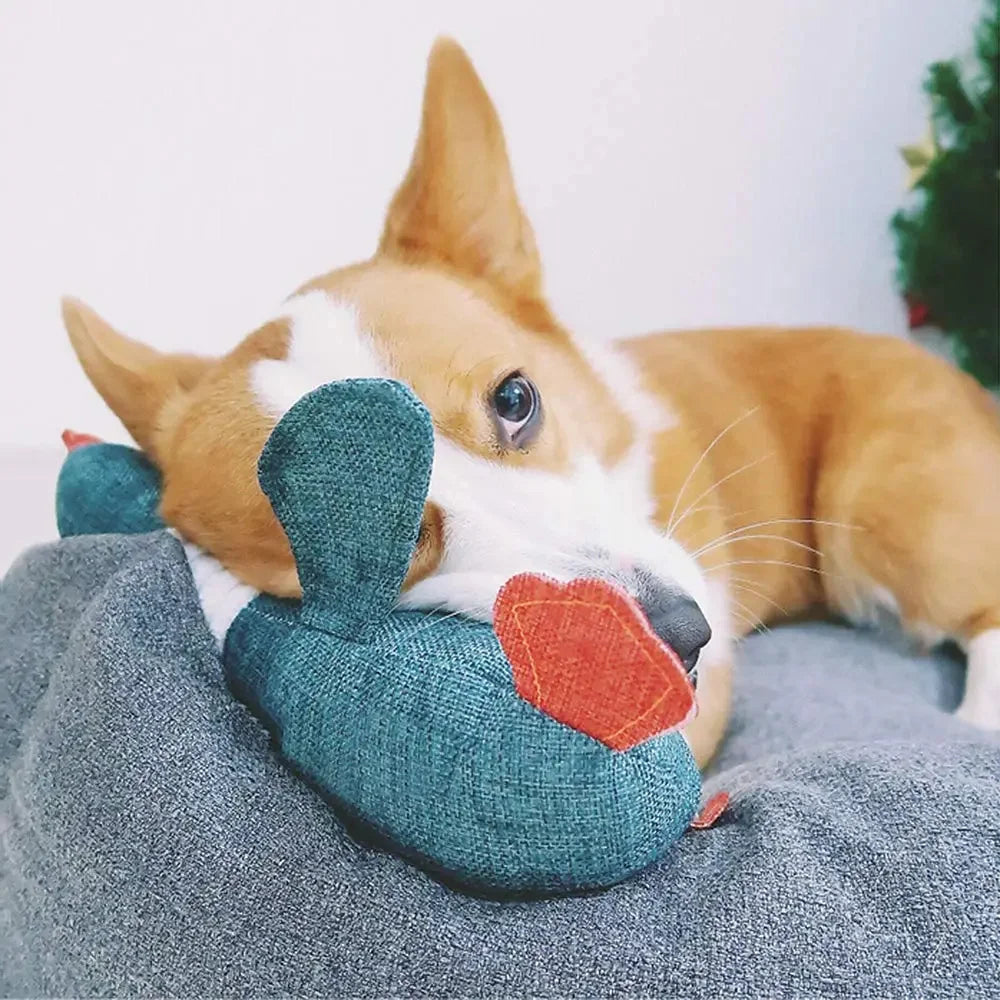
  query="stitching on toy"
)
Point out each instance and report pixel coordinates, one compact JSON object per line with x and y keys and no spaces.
{"x":601,"y":607}
{"x":642,"y":715}
{"x":262,"y":613}
{"x":671,"y":685}
{"x":527,"y":648}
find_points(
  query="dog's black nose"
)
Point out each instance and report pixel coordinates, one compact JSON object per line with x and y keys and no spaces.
{"x":677,"y":620}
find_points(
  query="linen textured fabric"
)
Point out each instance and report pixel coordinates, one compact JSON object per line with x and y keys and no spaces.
{"x":412,"y":724}
{"x":112,"y":488}
{"x":153,"y":844}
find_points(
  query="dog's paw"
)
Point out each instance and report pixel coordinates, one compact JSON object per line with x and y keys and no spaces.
{"x":981,"y":704}
{"x":981,"y":713}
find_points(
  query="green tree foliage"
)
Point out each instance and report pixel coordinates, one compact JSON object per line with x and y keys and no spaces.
{"x":948,"y":242}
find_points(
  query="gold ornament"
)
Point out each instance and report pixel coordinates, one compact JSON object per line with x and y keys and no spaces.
{"x":919,"y":156}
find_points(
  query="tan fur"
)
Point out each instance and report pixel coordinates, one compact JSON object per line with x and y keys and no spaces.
{"x":422,"y":318}
{"x":788,"y":444}
{"x":895,"y":454}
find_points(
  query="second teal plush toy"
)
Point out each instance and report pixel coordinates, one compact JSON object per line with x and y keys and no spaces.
{"x":491,"y":756}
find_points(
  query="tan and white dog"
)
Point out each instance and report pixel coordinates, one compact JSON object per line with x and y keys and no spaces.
{"x":723,"y":477}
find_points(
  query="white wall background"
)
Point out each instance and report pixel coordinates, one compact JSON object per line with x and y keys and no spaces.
{"x":184,"y":165}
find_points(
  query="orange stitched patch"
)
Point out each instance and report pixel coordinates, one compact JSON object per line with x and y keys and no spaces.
{"x":711,"y":811}
{"x":584,"y":654}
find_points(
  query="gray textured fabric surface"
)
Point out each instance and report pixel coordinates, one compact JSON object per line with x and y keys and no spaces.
{"x":153,"y":845}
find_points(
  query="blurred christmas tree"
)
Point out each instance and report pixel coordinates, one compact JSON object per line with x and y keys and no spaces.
{"x":949,"y":242}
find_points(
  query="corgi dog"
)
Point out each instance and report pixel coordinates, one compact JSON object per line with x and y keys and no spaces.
{"x":723,"y":478}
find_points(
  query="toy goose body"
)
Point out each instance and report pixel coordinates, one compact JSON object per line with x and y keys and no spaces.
{"x":537,"y":755}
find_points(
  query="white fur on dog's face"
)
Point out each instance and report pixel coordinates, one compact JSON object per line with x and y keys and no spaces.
{"x":501,"y":519}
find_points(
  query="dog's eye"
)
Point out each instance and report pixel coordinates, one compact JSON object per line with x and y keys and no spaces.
{"x":517,"y":408}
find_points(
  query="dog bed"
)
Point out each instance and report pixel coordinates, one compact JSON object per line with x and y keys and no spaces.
{"x":154,"y":845}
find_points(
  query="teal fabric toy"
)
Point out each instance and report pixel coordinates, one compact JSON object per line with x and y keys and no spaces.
{"x":495,"y":756}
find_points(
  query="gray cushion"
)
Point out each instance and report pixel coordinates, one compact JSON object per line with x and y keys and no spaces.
{"x":154,"y":845}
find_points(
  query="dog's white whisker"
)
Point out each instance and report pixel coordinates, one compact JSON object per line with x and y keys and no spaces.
{"x":749,"y":621}
{"x":715,"y":486}
{"x":788,"y":520}
{"x":719,"y":542}
{"x":771,"y":562}
{"x":729,"y":516}
{"x":701,"y":458}
{"x":726,"y":515}
{"x":743,"y":584}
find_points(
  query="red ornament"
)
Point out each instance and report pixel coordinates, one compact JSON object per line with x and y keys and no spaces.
{"x":917,"y":313}
{"x":584,"y":653}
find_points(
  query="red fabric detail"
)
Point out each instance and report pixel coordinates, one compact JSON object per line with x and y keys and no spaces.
{"x":74,"y":439}
{"x":583,"y":653}
{"x":711,"y":811}
{"x":917,"y":313}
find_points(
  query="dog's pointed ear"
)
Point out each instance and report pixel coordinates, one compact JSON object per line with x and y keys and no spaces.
{"x":457,"y":204}
{"x":133,"y":379}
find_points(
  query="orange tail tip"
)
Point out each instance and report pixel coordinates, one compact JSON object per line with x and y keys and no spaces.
{"x":584,"y":654}
{"x":74,"y":439}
